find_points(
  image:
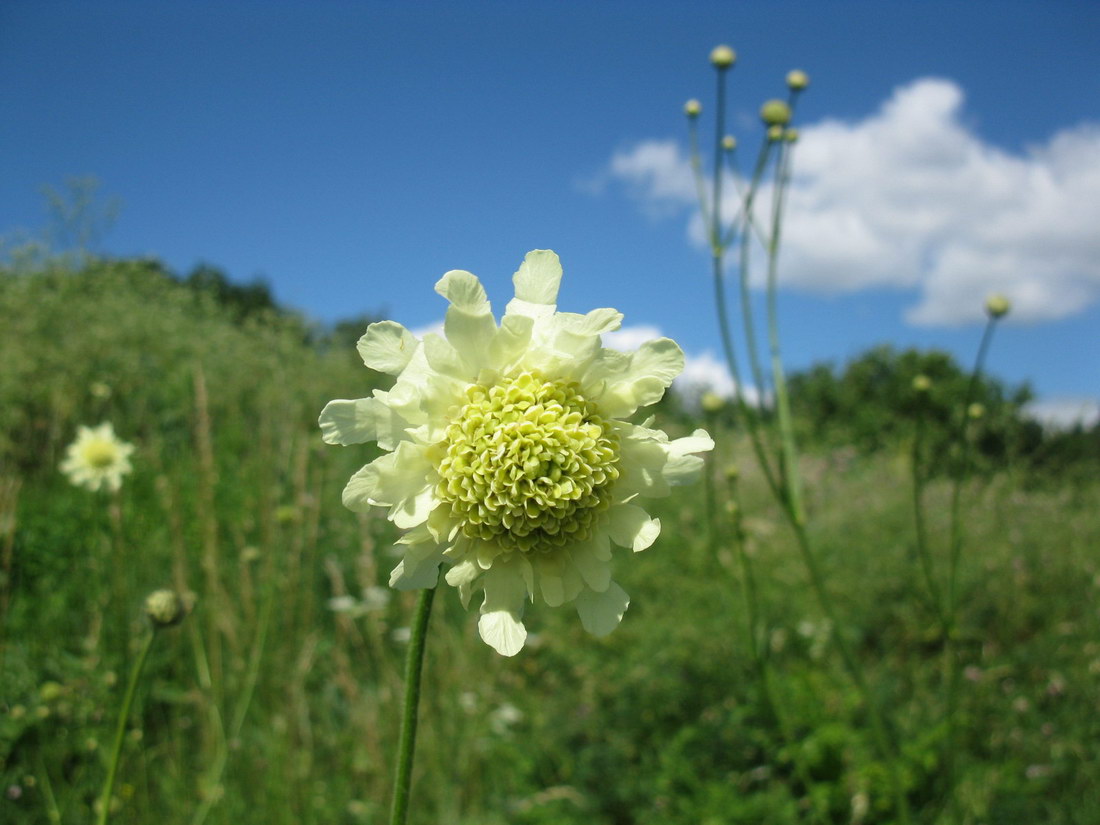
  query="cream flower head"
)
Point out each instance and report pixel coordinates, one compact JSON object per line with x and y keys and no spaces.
{"x":97,"y":459}
{"x":507,"y":456}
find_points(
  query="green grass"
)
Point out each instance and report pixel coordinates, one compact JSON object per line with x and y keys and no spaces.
{"x":267,"y":706}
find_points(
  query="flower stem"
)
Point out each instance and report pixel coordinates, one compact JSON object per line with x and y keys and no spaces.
{"x":950,"y":651}
{"x":759,"y":658}
{"x":124,"y":714}
{"x":923,"y":551}
{"x":791,"y":500}
{"x":414,"y":665}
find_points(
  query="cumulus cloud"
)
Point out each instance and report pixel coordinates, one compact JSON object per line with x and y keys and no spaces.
{"x":910,"y":197}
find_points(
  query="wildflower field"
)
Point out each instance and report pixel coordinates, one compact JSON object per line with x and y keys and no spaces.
{"x":254,"y":569}
{"x":278,"y":698}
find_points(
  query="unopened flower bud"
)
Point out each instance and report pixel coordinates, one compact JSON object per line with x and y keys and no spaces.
{"x":775,"y":113}
{"x":722,"y":57}
{"x":790,"y":135}
{"x":797,"y":80}
{"x":732,"y":472}
{"x":976,"y":410}
{"x":712,"y":402}
{"x":922,"y":383}
{"x":997,"y":306}
{"x":692,"y":108}
{"x":775,"y":133}
{"x":166,"y":608}
{"x":729,"y":143}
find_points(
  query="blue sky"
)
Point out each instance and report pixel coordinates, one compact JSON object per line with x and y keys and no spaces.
{"x":352,"y":153}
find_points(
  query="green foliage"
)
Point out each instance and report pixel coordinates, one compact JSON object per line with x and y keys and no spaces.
{"x":872,"y":404}
{"x":269,"y":705}
{"x":243,"y":300}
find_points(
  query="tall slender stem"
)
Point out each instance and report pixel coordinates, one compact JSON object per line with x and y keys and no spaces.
{"x":414,"y":665}
{"x":791,"y":499}
{"x":120,"y":731}
{"x":748,"y":222}
{"x":923,"y":551}
{"x":950,"y":650}
{"x":759,"y":659}
{"x":791,"y":475}
{"x":718,"y":251}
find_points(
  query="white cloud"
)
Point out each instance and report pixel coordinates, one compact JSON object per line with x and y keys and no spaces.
{"x":630,"y":338}
{"x":1064,"y":413}
{"x":910,"y":197}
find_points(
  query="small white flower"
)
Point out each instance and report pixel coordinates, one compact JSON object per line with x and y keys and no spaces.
{"x":504,"y":717}
{"x":508,"y":456}
{"x":344,"y":604}
{"x":375,"y":598}
{"x":97,"y":458}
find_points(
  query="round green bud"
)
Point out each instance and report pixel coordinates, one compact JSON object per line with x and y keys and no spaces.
{"x":775,"y":133}
{"x":722,"y":57}
{"x":712,"y":402}
{"x":922,"y":383}
{"x":729,"y":143}
{"x":732,"y":472}
{"x":997,"y":306}
{"x":692,"y":108}
{"x":250,"y":554}
{"x":166,"y":608}
{"x":286,"y":514}
{"x":775,"y":113}
{"x":797,"y":80}
{"x":790,"y":135}
{"x":976,"y":410}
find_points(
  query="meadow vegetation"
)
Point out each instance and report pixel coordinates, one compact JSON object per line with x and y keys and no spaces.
{"x":277,"y":700}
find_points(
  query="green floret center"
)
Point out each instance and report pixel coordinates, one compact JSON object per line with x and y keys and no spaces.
{"x":528,"y":464}
{"x":99,"y":454}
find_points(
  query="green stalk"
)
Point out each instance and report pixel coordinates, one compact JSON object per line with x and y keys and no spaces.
{"x":414,"y":665}
{"x":716,"y":189}
{"x":964,"y":469}
{"x":748,"y":414}
{"x":697,"y":171}
{"x":923,"y":550}
{"x":793,"y":506}
{"x":792,"y":477}
{"x":760,"y":662}
{"x":718,"y":251}
{"x":746,"y":294}
{"x":221,"y":758}
{"x":709,"y":484}
{"x":53,"y":812}
{"x":120,"y":732}
{"x":950,"y":650}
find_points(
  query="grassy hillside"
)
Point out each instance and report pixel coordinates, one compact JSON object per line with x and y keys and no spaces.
{"x":277,"y":700}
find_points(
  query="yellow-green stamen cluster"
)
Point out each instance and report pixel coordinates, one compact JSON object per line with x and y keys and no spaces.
{"x":100,"y":453}
{"x":528,"y":464}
